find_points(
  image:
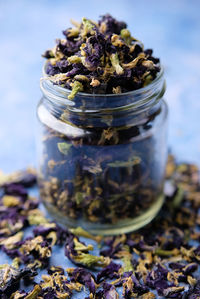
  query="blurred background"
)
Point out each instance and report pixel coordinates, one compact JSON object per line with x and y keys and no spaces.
{"x":28,"y":28}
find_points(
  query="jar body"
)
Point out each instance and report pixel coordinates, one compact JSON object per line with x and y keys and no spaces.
{"x":104,"y":173}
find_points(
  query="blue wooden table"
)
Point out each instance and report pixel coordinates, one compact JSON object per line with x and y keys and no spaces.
{"x":28,"y":28}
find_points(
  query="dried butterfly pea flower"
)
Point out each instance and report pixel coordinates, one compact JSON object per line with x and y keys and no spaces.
{"x":109,"y":291}
{"x":83,"y":277}
{"x":132,"y":286}
{"x":173,"y":292}
{"x":15,"y":189}
{"x":193,"y":292}
{"x":64,"y":147}
{"x":26,"y":178}
{"x":80,"y":232}
{"x":11,"y":223}
{"x":103,"y":51}
{"x":11,"y":242}
{"x":109,"y":272}
{"x":115,"y":63}
{"x":54,"y":269}
{"x":127,"y":259}
{"x":165,"y":255}
{"x":76,"y":87}
{"x":10,"y":201}
{"x":58,"y":286}
{"x":19,"y":295}
{"x":78,"y":203}
{"x":157,"y":278}
{"x":34,"y":293}
{"x":52,"y":232}
{"x":35,"y":249}
{"x":113,"y":245}
{"x":77,"y":252}
{"x":36,"y":217}
{"x":14,"y":210}
{"x":148,"y":295}
{"x":110,"y":25}
{"x":10,"y":278}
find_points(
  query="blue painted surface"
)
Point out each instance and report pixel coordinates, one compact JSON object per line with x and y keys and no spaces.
{"x":28,"y":28}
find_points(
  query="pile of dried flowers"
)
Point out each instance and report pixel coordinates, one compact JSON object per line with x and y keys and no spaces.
{"x":101,"y":58}
{"x":160,"y":260}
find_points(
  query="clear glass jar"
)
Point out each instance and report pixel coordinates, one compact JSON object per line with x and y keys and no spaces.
{"x":102,"y":157}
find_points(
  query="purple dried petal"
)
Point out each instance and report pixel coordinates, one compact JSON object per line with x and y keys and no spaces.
{"x":27,"y":179}
{"x":109,"y":272}
{"x":109,"y":291}
{"x":157,"y":278}
{"x":55,"y":269}
{"x":10,"y":278}
{"x":49,"y":294}
{"x":70,"y":47}
{"x":137,"y":286}
{"x":188,"y":269}
{"x":176,"y":266}
{"x":111,"y":24}
{"x":43,"y":230}
{"x":173,"y":292}
{"x":15,"y":189}
{"x":62,"y":65}
{"x":110,"y":249}
{"x":193,"y":292}
{"x":94,"y":50}
{"x":84,"y":277}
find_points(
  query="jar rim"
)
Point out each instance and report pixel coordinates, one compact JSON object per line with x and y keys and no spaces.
{"x":139,"y":99}
{"x":64,"y":90}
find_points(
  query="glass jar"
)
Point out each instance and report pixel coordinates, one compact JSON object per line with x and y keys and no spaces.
{"x":102,"y":157}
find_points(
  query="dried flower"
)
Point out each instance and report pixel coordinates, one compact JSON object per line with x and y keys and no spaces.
{"x":163,"y":257}
{"x":101,"y":54}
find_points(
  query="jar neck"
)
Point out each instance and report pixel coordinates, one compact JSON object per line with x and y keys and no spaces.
{"x":86,"y":109}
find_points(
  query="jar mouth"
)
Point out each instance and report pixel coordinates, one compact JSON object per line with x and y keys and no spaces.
{"x":112,"y":95}
{"x":141,"y":98}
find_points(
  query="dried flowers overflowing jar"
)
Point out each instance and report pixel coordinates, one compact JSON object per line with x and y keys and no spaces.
{"x":102,"y":147}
